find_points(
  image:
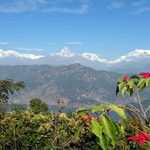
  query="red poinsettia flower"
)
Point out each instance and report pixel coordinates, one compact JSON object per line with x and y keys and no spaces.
{"x":85,"y":118}
{"x":125,"y":78}
{"x":140,"y":138}
{"x":145,"y":74}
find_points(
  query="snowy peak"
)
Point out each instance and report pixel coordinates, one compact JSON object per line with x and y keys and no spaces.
{"x":133,"y":56}
{"x":65,"y":52}
{"x":142,"y":51}
{"x":92,"y":57}
{"x":139,"y":53}
{"x":11,"y":53}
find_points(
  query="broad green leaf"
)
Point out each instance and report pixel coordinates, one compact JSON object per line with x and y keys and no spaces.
{"x":83,"y":111}
{"x":130,"y":84}
{"x":147,"y":81}
{"x":124,"y":91}
{"x":117,"y":90}
{"x":97,"y":108}
{"x":130,"y":92}
{"x":108,"y":129}
{"x":142,"y":86}
{"x":141,"y":81}
{"x":118,"y":110}
{"x":116,"y":128}
{"x":120,"y":85}
{"x":135,"y":77}
{"x":103,"y":142}
{"x":96,"y":128}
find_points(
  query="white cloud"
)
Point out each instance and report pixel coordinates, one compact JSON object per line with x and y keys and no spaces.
{"x":72,"y":43}
{"x":62,"y":6}
{"x":140,"y":6}
{"x":141,"y":10}
{"x":102,"y":43}
{"x":3,"y":43}
{"x":52,"y":43}
{"x":30,"y":49}
{"x":60,"y":43}
{"x":82,"y":10}
{"x":16,"y":6}
{"x":138,"y":3}
{"x":116,"y":5}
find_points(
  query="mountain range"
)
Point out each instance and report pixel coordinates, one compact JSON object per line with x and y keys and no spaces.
{"x":136,"y":61}
{"x":77,"y":84}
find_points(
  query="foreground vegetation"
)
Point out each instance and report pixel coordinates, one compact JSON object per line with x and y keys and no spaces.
{"x":36,"y":128}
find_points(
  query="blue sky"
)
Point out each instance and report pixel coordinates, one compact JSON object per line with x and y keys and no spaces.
{"x":109,"y":28}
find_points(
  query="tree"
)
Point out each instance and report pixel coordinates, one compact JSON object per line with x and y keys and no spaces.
{"x":38,"y":106}
{"x":8,"y":87}
{"x":18,"y":107}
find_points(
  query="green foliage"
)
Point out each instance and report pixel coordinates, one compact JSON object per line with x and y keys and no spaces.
{"x":24,"y":130}
{"x":96,"y":128}
{"x":8,"y":87}
{"x":131,"y":126}
{"x":3,"y":110}
{"x":28,"y":130}
{"x":38,"y":106}
{"x":108,"y":129}
{"x":17,"y":107}
{"x":134,"y":82}
{"x":97,"y":108}
{"x":102,"y":127}
{"x":118,"y":110}
{"x":139,"y":123}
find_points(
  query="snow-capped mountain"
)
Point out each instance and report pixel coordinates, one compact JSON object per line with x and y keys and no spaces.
{"x":93,"y":57}
{"x":11,"y":53}
{"x":138,"y":60}
{"x":10,"y":57}
{"x":137,"y":55}
{"x":65,"y":52}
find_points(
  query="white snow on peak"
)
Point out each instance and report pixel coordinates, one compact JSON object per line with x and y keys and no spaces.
{"x":65,"y":52}
{"x":140,"y":51}
{"x":93,"y":57}
{"x":132,"y":56}
{"x":9,"y":53}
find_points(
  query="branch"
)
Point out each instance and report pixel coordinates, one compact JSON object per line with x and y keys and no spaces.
{"x":147,"y":109}
{"x":136,"y":115}
{"x":141,"y":106}
{"x":134,"y":108}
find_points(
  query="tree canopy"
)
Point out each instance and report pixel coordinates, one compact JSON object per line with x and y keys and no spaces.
{"x":38,"y":106}
{"x":8,"y":87}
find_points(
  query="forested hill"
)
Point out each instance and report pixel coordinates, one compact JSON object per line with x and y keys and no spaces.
{"x":79,"y":85}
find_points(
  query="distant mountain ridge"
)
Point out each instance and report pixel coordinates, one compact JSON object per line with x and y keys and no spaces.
{"x":126,"y":63}
{"x":79,"y":85}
